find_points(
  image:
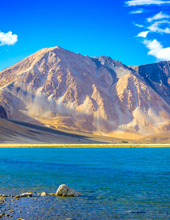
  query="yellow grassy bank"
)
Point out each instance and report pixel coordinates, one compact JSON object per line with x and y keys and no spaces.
{"x":9,"y":145}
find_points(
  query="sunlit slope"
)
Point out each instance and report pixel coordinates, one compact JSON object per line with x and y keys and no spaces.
{"x":68,"y":91}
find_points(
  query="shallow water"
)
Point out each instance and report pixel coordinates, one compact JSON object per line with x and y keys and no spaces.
{"x":116,"y":183}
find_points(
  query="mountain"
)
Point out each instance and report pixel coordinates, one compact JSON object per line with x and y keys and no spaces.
{"x":157,"y":75}
{"x":97,"y":95}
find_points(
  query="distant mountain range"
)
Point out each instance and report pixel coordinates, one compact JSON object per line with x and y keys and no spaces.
{"x":96,"y":95}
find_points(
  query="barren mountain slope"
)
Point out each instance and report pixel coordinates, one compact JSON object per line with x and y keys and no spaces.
{"x":97,"y":95}
{"x":157,"y":75}
{"x":20,"y":132}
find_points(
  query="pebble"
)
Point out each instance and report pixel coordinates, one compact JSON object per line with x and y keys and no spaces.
{"x":2,"y":214}
{"x":43,"y":194}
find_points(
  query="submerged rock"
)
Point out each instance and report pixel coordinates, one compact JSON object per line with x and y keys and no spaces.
{"x":27,"y":194}
{"x":2,"y":199}
{"x":72,"y":193}
{"x":2,"y":214}
{"x":64,"y":190}
{"x":17,"y":197}
{"x":51,"y":194}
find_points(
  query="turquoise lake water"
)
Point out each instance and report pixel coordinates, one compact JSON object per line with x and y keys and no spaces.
{"x":116,"y":183}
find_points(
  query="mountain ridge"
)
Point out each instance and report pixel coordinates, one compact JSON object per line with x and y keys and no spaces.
{"x":96,"y":95}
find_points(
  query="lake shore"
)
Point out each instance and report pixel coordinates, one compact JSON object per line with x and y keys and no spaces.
{"x":115,"y":183}
{"x":11,"y":145}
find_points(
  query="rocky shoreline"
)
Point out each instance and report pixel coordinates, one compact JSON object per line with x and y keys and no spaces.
{"x":5,"y":213}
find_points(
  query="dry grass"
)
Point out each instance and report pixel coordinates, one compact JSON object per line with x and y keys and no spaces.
{"x":9,"y":145}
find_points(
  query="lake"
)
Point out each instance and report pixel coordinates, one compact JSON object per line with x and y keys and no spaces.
{"x":116,"y":183}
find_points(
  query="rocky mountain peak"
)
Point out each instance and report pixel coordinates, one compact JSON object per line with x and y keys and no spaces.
{"x":98,"y":95}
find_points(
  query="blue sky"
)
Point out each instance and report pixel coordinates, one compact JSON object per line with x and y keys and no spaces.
{"x":134,"y":32}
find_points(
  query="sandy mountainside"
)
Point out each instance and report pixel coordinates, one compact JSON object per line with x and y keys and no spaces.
{"x":14,"y":132}
{"x":97,"y":95}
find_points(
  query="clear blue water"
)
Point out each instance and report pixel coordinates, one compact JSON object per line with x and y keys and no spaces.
{"x":116,"y":183}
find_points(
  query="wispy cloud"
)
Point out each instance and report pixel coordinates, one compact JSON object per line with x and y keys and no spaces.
{"x":146,"y":2}
{"x":157,"y":50}
{"x":8,"y":38}
{"x":138,"y":25}
{"x":139,"y":11}
{"x":158,"y":16}
{"x":156,"y":27}
{"x":143,"y":34}
{"x":158,"y":23}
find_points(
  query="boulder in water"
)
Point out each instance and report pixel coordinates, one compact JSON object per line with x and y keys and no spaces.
{"x":64,"y":190}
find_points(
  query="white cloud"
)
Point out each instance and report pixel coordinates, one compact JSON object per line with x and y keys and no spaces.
{"x":139,"y":25}
{"x":143,"y":34}
{"x":157,"y":50}
{"x":158,"y":16}
{"x":158,"y":23}
{"x":137,"y":11}
{"x":156,"y":27}
{"x":8,"y":38}
{"x":146,"y":2}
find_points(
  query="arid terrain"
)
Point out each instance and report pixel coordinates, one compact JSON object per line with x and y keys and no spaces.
{"x":95,"y":97}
